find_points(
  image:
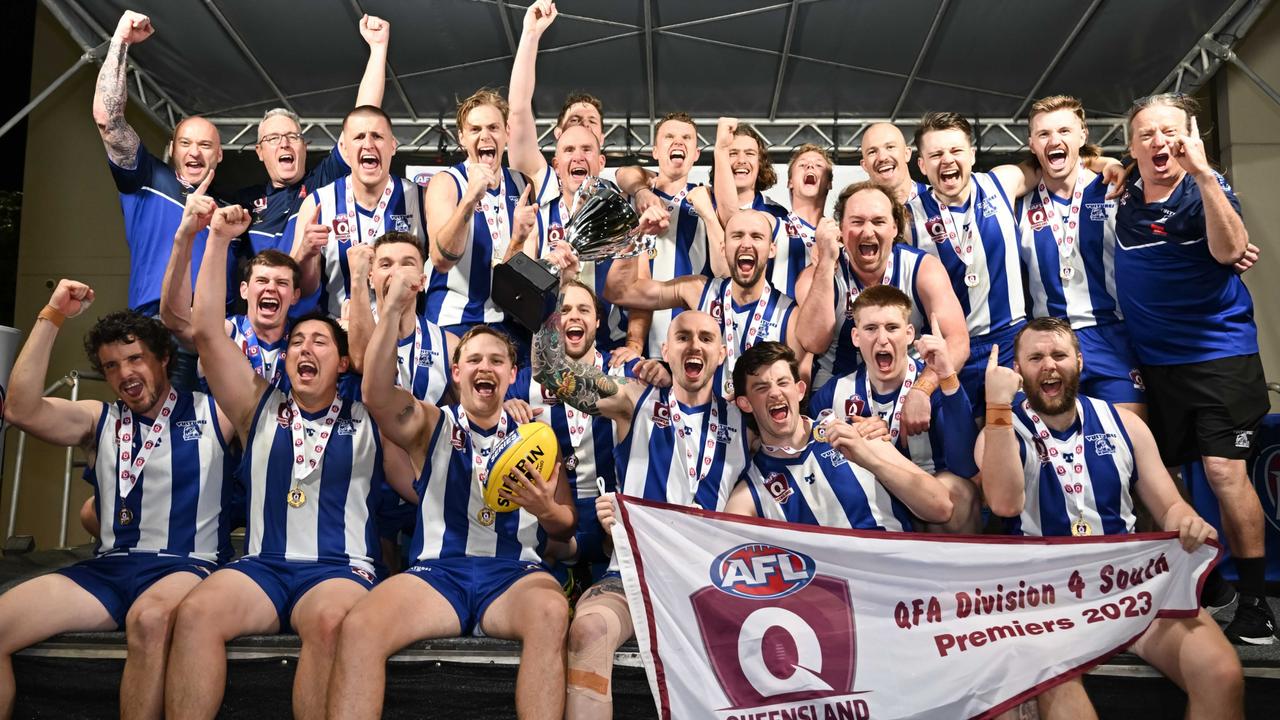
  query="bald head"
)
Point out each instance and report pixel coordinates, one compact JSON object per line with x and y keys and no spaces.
{"x":885,"y":155}
{"x":196,"y":149}
{"x":750,"y":220}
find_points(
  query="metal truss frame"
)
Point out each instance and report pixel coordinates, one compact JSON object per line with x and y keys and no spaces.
{"x":634,"y":135}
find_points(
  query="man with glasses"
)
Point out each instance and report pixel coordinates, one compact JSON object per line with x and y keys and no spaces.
{"x":283,"y":152}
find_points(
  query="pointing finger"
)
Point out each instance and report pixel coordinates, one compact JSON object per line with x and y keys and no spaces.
{"x":994,"y":359}
{"x":524,"y":196}
{"x":204,"y":185}
{"x":1195,"y":127}
{"x":933,"y":324}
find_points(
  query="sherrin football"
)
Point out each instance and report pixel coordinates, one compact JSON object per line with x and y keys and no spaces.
{"x":532,"y":444}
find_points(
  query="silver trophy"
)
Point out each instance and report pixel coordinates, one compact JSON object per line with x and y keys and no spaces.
{"x":605,"y":227}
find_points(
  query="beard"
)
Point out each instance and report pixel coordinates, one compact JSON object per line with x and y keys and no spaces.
{"x":1058,"y":405}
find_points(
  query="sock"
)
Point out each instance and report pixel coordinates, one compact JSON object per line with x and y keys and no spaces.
{"x":1252,"y":573}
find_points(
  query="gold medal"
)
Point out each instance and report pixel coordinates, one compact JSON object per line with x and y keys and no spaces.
{"x":297,"y":497}
{"x":1080,"y":528}
{"x":486,"y":516}
{"x":820,"y":432}
{"x":126,"y":516}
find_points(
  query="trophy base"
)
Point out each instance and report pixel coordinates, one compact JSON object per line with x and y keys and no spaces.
{"x":525,"y":290}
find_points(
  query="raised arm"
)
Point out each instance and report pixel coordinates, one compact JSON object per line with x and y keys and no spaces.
{"x":231,"y":378}
{"x":401,"y":417}
{"x":816,"y":291}
{"x":1223,"y":226}
{"x":522,"y":149}
{"x":359,"y":311}
{"x":309,"y":240}
{"x":175,"y":292}
{"x":377,"y":33}
{"x":700,"y":199}
{"x":996,"y":451}
{"x":111,"y":93}
{"x":449,"y":214}
{"x":725,"y":191}
{"x":54,"y":420}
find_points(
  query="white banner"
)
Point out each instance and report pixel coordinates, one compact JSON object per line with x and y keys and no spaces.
{"x":746,"y":619}
{"x":10,"y":340}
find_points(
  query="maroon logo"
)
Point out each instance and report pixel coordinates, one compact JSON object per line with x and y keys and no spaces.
{"x":779,"y":487}
{"x":853,"y":407}
{"x":1038,"y":217}
{"x":284,"y":415}
{"x":549,"y":395}
{"x":661,"y":415}
{"x":936,"y":228}
{"x":717,"y":310}
{"x":770,"y":648}
{"x":456,"y":438}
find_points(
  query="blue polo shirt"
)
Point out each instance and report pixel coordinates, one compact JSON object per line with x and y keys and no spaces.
{"x":273,"y":207}
{"x":152,"y":198}
{"x":1180,"y":305}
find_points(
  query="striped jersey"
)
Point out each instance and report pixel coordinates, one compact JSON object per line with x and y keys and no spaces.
{"x":177,"y":505}
{"x":682,"y":250}
{"x":461,"y":295}
{"x":1075,"y":280}
{"x":1097,"y":484}
{"x":842,"y":356}
{"x":336,"y":521}
{"x":451,"y":509}
{"x":982,"y":259}
{"x":822,"y":487}
{"x":947,"y":445}
{"x":765,"y":318}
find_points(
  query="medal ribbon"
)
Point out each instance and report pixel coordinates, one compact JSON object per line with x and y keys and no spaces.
{"x":851,"y":280}
{"x":803,"y":231}
{"x":961,"y":240}
{"x":375,"y":222}
{"x":491,"y":206}
{"x":673,"y":205}
{"x":755,"y":318}
{"x":257,"y":356}
{"x":1061,"y":471}
{"x":478,"y":460}
{"x":787,"y":449}
{"x":306,"y":457}
{"x":129,"y":474}
{"x":1066,"y":233}
{"x":700,"y":466}
{"x":895,"y":410}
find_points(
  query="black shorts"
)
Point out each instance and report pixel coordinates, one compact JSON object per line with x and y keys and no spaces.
{"x":1208,"y":408}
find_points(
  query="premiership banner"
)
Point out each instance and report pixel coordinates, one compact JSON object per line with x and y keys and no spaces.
{"x":747,"y":619}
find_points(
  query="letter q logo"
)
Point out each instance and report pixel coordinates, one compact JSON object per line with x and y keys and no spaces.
{"x":774,"y":629}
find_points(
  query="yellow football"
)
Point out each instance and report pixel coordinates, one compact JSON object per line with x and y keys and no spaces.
{"x":531,"y":445}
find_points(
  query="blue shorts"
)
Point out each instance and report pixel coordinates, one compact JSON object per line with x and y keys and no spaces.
{"x":590,"y":535}
{"x":1110,"y":367}
{"x":117,"y":580}
{"x":471,"y":584}
{"x":395,"y":515}
{"x":973,"y":376}
{"x":286,"y":581}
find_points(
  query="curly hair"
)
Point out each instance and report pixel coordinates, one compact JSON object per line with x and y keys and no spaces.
{"x":126,"y":326}
{"x":766,"y":177}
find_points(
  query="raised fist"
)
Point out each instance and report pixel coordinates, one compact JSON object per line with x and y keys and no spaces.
{"x":360,"y":261}
{"x":316,"y":235}
{"x":479,"y":179}
{"x":134,"y":27}
{"x":71,"y":297}
{"x":724,"y":132}
{"x":229,"y":222}
{"x":826,"y":240}
{"x":375,"y":30}
{"x":539,"y":17}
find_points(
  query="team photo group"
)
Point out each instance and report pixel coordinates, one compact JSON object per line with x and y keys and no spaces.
{"x":420,"y":400}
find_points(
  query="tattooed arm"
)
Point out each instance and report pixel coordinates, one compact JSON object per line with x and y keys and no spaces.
{"x":582,"y":385}
{"x":110,"y":95}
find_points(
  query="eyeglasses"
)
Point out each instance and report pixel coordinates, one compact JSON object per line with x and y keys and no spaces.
{"x":275,"y":138}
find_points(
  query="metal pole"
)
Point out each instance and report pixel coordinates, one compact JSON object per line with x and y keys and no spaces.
{"x":17,"y":483}
{"x":84,"y":60}
{"x":66,"y":468}
{"x":1257,"y":79}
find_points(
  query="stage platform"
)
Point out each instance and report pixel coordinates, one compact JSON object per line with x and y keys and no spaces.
{"x":77,"y":675}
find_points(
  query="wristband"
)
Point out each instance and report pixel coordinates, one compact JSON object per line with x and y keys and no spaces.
{"x":999,"y":415}
{"x":950,"y":383}
{"x":53,"y":315}
{"x":925,"y":386}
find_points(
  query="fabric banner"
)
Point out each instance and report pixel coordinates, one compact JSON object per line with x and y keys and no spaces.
{"x":747,"y":619}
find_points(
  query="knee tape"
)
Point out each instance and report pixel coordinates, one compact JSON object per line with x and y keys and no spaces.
{"x":591,"y":663}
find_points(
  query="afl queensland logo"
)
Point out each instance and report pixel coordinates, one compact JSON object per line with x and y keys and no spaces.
{"x":761,"y":572}
{"x":1266,"y":478}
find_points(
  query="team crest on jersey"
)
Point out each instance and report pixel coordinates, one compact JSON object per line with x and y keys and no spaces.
{"x":661,"y":415}
{"x":1098,"y":211}
{"x":724,"y":434}
{"x":778,"y":486}
{"x":1102,"y":444}
{"x":259,"y":207}
{"x":1037,"y":216}
{"x":936,"y":228}
{"x":987,"y":207}
{"x":427,"y":359}
{"x":1042,"y":451}
{"x":834,"y":457}
{"x":457,"y":438}
{"x":716,"y":311}
{"x":342,"y":227}
{"x":345,"y":426}
{"x":555,"y":235}
{"x":191,"y":429}
{"x":400,"y":223}
{"x":284,"y":415}
{"x":549,"y":395}
{"x":853,"y":407}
